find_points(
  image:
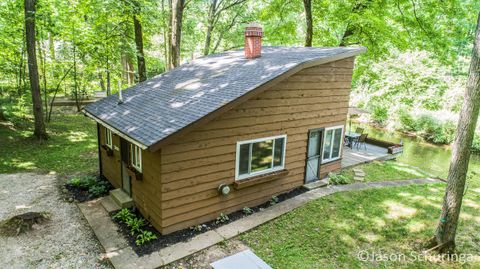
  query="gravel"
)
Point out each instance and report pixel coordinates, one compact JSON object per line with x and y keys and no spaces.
{"x":66,"y":241}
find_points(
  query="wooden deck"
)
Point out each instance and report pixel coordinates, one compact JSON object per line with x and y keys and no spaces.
{"x":352,"y":157}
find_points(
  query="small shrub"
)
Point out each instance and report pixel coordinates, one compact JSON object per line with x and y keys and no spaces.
{"x":274,"y":200}
{"x":97,"y":190}
{"x":196,"y":228}
{"x":432,"y":130}
{"x":136,"y":225}
{"x":247,"y":210}
{"x":95,"y":187}
{"x":380,"y":114}
{"x":124,"y":215}
{"x":476,"y":144}
{"x":84,"y":182}
{"x":338,"y":179}
{"x":145,"y":237}
{"x":222,"y":218}
{"x":407,"y":121}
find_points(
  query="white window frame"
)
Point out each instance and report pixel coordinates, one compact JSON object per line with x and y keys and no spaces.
{"x":266,"y":171}
{"x":108,"y":138}
{"x":326,"y":160}
{"x":136,"y":157}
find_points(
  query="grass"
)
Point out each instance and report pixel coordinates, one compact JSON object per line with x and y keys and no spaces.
{"x":332,"y":231}
{"x":385,"y":171}
{"x":71,"y":148}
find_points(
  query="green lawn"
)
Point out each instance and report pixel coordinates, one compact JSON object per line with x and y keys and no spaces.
{"x":331,"y":231}
{"x":71,"y":148}
{"x":384,"y":171}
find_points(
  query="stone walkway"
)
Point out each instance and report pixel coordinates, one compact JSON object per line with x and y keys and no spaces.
{"x":359,"y":174}
{"x":122,"y":256}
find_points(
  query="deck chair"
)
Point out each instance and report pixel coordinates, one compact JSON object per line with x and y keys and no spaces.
{"x":359,"y":130}
{"x":361,"y":141}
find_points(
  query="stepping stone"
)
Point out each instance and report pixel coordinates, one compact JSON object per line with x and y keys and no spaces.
{"x":316,"y":184}
{"x":242,"y":260}
{"x":358,"y":178}
{"x":360,"y":174}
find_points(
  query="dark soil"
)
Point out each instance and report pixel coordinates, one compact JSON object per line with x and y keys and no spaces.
{"x":188,"y":233}
{"x":22,"y":223}
{"x":81,"y":194}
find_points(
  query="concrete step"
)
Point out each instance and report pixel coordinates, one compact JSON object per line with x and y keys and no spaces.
{"x":109,"y":204}
{"x":316,"y":184}
{"x":121,"y":198}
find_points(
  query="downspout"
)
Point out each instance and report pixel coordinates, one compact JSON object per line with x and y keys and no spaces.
{"x":99,"y":150}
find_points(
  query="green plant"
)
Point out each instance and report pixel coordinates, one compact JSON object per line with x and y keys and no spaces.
{"x":274,"y":200}
{"x":222,"y":218}
{"x":97,"y":190}
{"x":247,"y":210}
{"x":124,"y":215}
{"x":338,"y":179}
{"x":476,"y":144}
{"x":407,"y":121}
{"x":145,"y":237}
{"x":196,"y":228}
{"x":84,"y":182}
{"x":136,"y":225}
{"x":380,"y":114}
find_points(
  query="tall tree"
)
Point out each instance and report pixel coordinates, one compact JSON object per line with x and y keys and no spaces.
{"x":176,"y":37}
{"x":30,"y":10}
{"x":308,"y":18}
{"x":444,"y":239}
{"x":142,"y":69}
{"x":215,"y":10}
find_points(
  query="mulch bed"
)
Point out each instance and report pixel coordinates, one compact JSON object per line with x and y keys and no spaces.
{"x":188,"y":233}
{"x":81,"y":194}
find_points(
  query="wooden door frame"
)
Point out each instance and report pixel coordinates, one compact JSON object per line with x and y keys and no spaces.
{"x":125,"y":146}
{"x":322,"y":134}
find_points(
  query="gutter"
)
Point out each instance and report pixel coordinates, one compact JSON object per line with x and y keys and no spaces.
{"x":115,"y":131}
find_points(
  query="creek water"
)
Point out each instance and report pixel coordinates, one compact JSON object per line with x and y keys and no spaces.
{"x":434,"y":159}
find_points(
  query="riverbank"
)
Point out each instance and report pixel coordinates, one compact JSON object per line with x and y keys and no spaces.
{"x":434,"y":159}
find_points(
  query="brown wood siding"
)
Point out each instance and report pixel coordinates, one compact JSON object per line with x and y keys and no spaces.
{"x":146,"y":193}
{"x":111,"y":164}
{"x":194,"y":166}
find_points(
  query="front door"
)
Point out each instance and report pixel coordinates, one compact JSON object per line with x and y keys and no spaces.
{"x":314,"y":155}
{"x":126,"y":180}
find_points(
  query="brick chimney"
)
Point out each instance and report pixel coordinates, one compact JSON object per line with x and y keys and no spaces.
{"x":253,"y":41}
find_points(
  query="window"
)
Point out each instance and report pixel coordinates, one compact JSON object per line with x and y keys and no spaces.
{"x":260,"y":156}
{"x":332,"y":143}
{"x":108,"y":137}
{"x":136,"y":157}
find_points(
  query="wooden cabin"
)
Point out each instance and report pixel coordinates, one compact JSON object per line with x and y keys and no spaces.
{"x":226,"y":131}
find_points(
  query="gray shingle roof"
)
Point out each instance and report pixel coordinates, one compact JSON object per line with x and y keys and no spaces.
{"x":156,"y":108}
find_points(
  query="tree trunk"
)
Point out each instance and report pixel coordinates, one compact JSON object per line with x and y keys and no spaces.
{"x":167,"y":32}
{"x":2,"y":116}
{"x":127,"y":66}
{"x":101,"y":82}
{"x":75,"y":77}
{"x":51,"y":46}
{"x":142,"y":70}
{"x":211,"y":19}
{"x":308,"y":17}
{"x":177,"y":17}
{"x":43,"y":59}
{"x":446,"y":230}
{"x":30,"y":10}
